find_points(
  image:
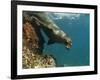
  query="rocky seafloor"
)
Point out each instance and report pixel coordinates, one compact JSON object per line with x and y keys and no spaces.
{"x":33,"y":45}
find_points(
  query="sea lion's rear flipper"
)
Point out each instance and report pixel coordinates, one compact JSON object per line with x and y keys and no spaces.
{"x":50,"y":41}
{"x":37,"y":23}
{"x":35,"y":19}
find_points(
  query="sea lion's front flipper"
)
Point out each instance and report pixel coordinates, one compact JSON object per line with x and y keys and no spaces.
{"x":50,"y":41}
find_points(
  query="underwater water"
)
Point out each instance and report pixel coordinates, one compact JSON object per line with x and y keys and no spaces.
{"x":76,"y":25}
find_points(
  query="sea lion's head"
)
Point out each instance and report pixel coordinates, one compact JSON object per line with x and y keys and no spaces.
{"x":68,"y":43}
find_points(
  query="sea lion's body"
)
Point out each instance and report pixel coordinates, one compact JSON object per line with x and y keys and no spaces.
{"x":54,"y":33}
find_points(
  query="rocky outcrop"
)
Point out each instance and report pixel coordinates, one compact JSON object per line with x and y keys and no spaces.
{"x":33,"y":45}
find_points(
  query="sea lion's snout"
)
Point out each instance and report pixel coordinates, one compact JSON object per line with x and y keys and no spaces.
{"x":68,"y":43}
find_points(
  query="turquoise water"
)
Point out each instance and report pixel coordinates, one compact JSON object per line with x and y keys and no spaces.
{"x":77,"y":27}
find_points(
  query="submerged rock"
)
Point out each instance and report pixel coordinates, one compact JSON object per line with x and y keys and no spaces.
{"x":33,"y":45}
{"x":33,"y":60}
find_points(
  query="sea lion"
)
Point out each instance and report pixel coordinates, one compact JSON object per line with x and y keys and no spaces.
{"x":54,"y":33}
